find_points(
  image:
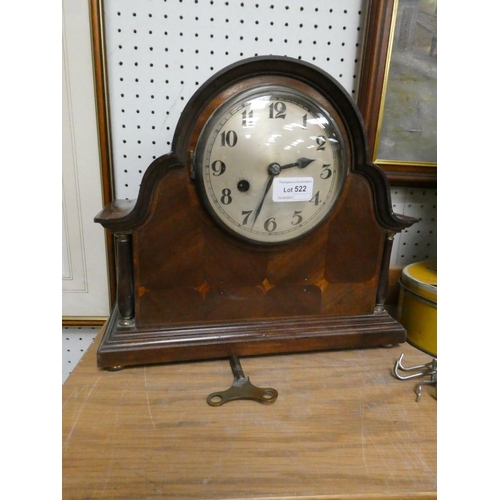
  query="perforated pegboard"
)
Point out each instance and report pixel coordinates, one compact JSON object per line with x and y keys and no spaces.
{"x":159,"y":52}
{"x":418,"y":242}
{"x":75,"y":341}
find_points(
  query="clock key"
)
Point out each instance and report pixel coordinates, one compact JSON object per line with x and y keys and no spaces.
{"x":242,"y":388}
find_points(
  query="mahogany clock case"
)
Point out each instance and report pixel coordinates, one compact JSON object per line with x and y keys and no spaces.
{"x":187,"y":289}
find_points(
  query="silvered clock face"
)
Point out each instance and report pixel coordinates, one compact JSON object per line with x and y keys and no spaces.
{"x":270,"y":165}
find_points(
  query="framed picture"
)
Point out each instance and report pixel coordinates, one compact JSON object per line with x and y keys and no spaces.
{"x":398,"y":91}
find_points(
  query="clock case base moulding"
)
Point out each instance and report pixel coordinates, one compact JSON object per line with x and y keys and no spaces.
{"x":127,"y":346}
{"x":187,"y":289}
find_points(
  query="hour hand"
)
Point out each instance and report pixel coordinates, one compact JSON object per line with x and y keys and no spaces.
{"x":301,"y":163}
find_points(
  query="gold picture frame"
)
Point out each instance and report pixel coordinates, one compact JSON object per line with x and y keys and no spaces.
{"x":397,"y":94}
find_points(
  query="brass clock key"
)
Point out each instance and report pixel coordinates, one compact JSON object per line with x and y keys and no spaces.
{"x":242,"y":388}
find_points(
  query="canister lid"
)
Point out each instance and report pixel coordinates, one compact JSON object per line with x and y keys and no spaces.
{"x":421,"y":278}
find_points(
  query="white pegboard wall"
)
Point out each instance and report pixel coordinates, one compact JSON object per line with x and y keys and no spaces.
{"x":159,"y":52}
{"x":75,"y":341}
{"x":418,"y":242}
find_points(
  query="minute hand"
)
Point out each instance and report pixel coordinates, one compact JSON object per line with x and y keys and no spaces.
{"x":259,"y":208}
{"x":301,"y":163}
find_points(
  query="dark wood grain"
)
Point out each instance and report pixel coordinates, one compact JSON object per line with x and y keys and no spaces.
{"x":216,"y":339}
{"x":199,"y":292}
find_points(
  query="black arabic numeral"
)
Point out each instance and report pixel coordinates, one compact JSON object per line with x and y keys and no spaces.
{"x":218,"y":168}
{"x":226,"y":197}
{"x":228,"y":138}
{"x":326,"y":173}
{"x":270,"y":225}
{"x":321,"y":142}
{"x":316,"y":199}
{"x":247,"y":118}
{"x":246,"y":214}
{"x":296,"y":215}
{"x":277,"y":110}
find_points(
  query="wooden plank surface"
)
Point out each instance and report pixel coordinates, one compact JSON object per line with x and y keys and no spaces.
{"x":342,"y":427}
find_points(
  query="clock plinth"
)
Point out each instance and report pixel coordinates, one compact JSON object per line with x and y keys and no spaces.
{"x":208,"y":270}
{"x":129,"y":346}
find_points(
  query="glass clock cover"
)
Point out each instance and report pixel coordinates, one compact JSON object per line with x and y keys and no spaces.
{"x":270,"y":165}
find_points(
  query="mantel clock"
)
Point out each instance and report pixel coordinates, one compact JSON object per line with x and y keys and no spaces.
{"x":265,"y":230}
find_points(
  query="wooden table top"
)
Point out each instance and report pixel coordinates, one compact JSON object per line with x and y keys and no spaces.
{"x":342,"y":428}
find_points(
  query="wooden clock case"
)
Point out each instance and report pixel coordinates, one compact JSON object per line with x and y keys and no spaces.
{"x":186,"y":289}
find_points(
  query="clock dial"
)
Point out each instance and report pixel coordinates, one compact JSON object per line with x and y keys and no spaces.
{"x":270,"y":165}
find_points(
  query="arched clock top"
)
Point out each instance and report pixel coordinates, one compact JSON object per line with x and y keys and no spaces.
{"x":122,"y":216}
{"x":263,"y":69}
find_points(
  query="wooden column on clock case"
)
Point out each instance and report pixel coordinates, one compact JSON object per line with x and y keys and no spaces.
{"x":199,"y":292}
